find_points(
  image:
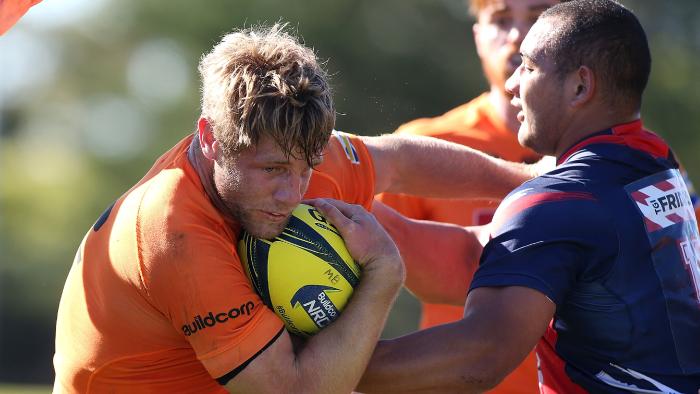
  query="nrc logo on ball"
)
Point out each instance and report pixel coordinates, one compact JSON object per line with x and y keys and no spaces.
{"x":316,"y":303}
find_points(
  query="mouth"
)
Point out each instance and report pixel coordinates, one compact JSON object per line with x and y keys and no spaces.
{"x":515,"y":102}
{"x":274,"y":216}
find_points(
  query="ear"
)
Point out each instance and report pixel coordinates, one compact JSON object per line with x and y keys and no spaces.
{"x":477,"y":40}
{"x":582,"y":86}
{"x":207,"y":142}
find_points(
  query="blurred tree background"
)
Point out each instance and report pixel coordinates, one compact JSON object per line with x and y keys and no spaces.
{"x":93,"y":91}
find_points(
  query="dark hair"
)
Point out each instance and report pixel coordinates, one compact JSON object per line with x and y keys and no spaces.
{"x":263,"y":81}
{"x":608,"y":38}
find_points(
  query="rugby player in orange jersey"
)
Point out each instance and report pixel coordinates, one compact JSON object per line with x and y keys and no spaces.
{"x":487,"y":123}
{"x":156,"y":299}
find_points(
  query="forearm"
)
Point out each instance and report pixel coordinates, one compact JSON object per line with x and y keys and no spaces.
{"x":334,"y":359}
{"x":500,"y":327}
{"x":435,"y":168}
{"x":440,"y":359}
{"x":440,"y":258}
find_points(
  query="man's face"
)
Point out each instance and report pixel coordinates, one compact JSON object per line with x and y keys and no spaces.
{"x":538,"y":93}
{"x":500,"y":28}
{"x":261,"y":186}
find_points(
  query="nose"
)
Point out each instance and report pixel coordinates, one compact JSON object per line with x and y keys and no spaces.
{"x":290,"y":190}
{"x":513,"y":83}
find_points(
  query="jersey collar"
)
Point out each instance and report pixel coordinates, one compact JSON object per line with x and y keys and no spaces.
{"x":631,"y":134}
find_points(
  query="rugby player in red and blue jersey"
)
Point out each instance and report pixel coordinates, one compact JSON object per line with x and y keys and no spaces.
{"x":596,"y":262}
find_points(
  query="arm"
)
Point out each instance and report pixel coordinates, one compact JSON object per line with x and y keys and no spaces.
{"x":432,"y":167}
{"x":500,"y":327}
{"x":440,"y":258}
{"x":333,"y":360}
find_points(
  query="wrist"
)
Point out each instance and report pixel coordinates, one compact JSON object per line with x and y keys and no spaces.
{"x":385,"y":272}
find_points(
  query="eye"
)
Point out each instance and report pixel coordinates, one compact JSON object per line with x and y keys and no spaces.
{"x":273,"y":170}
{"x":526,"y":67}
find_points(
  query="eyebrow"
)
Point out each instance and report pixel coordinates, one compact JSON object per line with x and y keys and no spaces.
{"x":527,"y":57}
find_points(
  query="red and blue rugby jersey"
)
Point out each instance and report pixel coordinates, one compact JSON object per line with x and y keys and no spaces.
{"x":611,"y":237}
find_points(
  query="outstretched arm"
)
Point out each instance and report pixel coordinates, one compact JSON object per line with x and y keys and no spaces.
{"x":500,"y":327}
{"x":432,"y":167}
{"x":440,"y":258}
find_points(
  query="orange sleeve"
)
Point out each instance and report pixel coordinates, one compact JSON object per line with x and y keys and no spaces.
{"x":409,"y":206}
{"x":347,"y":172}
{"x":12,"y":10}
{"x":196,"y":279}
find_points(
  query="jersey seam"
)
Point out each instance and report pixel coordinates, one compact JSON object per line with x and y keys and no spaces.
{"x":233,"y":343}
{"x":94,"y":373}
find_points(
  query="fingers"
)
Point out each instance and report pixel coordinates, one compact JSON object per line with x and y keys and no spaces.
{"x":338,"y":219}
{"x":348,"y":210}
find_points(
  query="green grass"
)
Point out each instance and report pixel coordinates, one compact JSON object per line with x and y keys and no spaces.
{"x":23,"y":389}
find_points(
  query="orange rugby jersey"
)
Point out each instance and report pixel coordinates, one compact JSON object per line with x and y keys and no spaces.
{"x":157,"y":299}
{"x":474,"y":124}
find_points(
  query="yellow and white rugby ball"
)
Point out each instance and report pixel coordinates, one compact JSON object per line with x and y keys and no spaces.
{"x":305,"y":275}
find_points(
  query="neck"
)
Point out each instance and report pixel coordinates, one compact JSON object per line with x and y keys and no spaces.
{"x":588,"y":123}
{"x":205,"y":169}
{"x":504,"y":110}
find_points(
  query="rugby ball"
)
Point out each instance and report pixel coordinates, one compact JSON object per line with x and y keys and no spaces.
{"x":305,"y":275}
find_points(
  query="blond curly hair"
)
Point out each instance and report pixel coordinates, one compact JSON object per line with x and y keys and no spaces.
{"x":263,"y":81}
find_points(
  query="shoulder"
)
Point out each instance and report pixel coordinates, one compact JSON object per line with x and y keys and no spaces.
{"x":347,"y":172}
{"x":461,"y":120}
{"x":176,"y":223}
{"x":557,"y":205}
{"x":343,"y":148}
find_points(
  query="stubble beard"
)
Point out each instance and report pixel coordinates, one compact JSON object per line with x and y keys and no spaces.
{"x":242,"y":214}
{"x":262,"y":230}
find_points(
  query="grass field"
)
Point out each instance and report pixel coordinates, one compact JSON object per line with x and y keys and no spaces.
{"x":23,"y":389}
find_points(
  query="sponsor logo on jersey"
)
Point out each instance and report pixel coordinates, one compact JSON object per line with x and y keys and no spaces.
{"x":348,"y":147}
{"x":665,"y":202}
{"x":316,"y":304}
{"x":211,"y":319}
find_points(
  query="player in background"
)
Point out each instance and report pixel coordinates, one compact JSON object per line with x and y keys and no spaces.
{"x":487,"y":123}
{"x":156,"y":299}
{"x":596,"y":261}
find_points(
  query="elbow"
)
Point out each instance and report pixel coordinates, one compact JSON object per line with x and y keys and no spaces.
{"x":481,"y":379}
{"x":490,"y":381}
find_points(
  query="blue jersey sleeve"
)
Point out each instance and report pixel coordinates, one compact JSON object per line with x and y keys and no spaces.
{"x":547,"y":241}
